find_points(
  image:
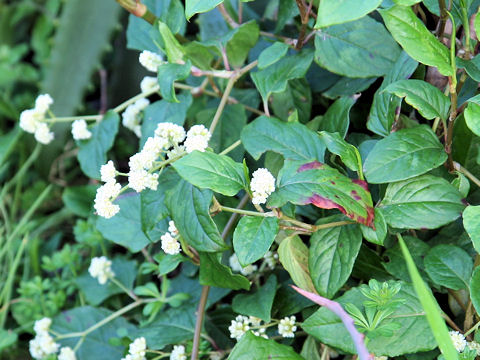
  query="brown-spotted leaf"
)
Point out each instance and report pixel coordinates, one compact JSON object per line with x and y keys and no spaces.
{"x":323,"y":186}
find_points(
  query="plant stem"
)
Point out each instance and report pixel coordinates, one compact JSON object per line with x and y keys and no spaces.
{"x":234,"y":216}
{"x":467,"y":173}
{"x":124,"y":288}
{"x":231,"y":147}
{"x":199,"y":322}
{"x":443,"y":18}
{"x":223,"y":102}
{"x":245,"y":212}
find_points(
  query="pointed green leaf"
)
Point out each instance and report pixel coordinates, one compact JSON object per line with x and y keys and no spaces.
{"x":259,"y":303}
{"x":272,"y":54}
{"x":472,"y":115}
{"x":168,"y":74}
{"x":337,"y":118}
{"x":347,"y":152}
{"x":193,"y":7}
{"x":331,"y":12}
{"x":471,"y":222}
{"x":172,"y":47}
{"x":253,"y":237}
{"x":214,"y":273}
{"x":404,"y":154}
{"x":410,"y":32}
{"x":251,"y":347}
{"x":378,"y":235}
{"x":475,"y":288}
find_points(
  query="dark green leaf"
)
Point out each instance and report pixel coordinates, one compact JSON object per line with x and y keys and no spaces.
{"x":404,"y":154}
{"x":378,"y":235}
{"x":272,"y":54}
{"x":240,"y":41}
{"x":251,"y":347}
{"x":297,"y":97}
{"x":472,"y":115}
{"x":167,"y":263}
{"x":168,"y":74}
{"x":190,"y":210}
{"x":331,"y":257}
{"x":331,"y":12}
{"x":214,"y":273}
{"x":347,"y":152}
{"x":424,"y":202}
{"x":211,"y":171}
{"x":475,"y":288}
{"x":410,"y":32}
{"x":315,"y":183}
{"x":449,"y":266}
{"x":472,"y":67}
{"x":471,"y":222}
{"x":92,"y":153}
{"x":259,"y":303}
{"x":292,"y":140}
{"x":362,"y":48}
{"x":253,"y":237}
{"x":337,"y":118}
{"x":426,"y":98}
{"x":193,"y":7}
{"x":79,"y":199}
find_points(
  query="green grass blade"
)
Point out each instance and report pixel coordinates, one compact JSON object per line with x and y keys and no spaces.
{"x":429,"y":304}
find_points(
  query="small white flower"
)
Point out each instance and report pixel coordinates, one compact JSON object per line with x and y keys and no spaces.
{"x":43,"y":102}
{"x":235,"y":265}
{"x":254,"y":321}
{"x":137,"y":349}
{"x":473,"y":345}
{"x":80,"y":130}
{"x":139,"y":180}
{"x":148,"y":83}
{"x":172,"y":228}
{"x":103,"y":200}
{"x":108,"y":172}
{"x":173,"y":133}
{"x":287,"y":327}
{"x":66,"y":353}
{"x":458,"y":340}
{"x":142,"y":160}
{"x":42,"y":326}
{"x":169,"y":244}
{"x":155,"y":145}
{"x":30,"y":119}
{"x":178,"y":353}
{"x":262,"y":185}
{"x":261,"y":332}
{"x":42,"y":345}
{"x":176,"y":151}
{"x":197,"y":138}
{"x":106,"y":208}
{"x":131,"y":116}
{"x":101,"y":269}
{"x":238,"y":327}
{"x":270,"y":259}
{"x":43,"y":134}
{"x":150,"y":60}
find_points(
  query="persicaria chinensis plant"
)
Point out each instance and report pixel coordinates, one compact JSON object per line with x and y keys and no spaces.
{"x":278,"y":179}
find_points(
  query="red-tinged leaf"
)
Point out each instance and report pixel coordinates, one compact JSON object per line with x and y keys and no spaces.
{"x":325,"y":187}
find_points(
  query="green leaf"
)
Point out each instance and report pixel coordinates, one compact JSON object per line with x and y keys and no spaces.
{"x":8,"y":142}
{"x":404,"y":154}
{"x":471,"y":222}
{"x":331,"y":257}
{"x":347,"y":152}
{"x":240,"y":41}
{"x":412,"y":336}
{"x":346,"y":86}
{"x":297,"y":97}
{"x":7,"y":339}
{"x":472,"y":67}
{"x":96,"y":342}
{"x":251,"y":347}
{"x":461,"y":183}
{"x":167,"y":263}
{"x":449,"y":266}
{"x":214,"y":273}
{"x":358,"y":49}
{"x":332,"y":12}
{"x":253,"y":237}
{"x":270,"y":134}
{"x":92,"y":153}
{"x":378,"y":235}
{"x":193,"y":7}
{"x":259,"y":303}
{"x":272,"y":54}
{"x":431,"y":308}
{"x":426,"y":98}
{"x":337,"y":118}
{"x":410,"y":32}
{"x":192,"y":216}
{"x":164,"y":111}
{"x":472,"y":115}
{"x":382,"y":113}
{"x":274,"y":78}
{"x":315,"y":183}
{"x":172,"y":47}
{"x":475,"y":288}
{"x":310,"y":350}
{"x":168,"y":74}
{"x":125,"y":228}
{"x":170,"y":327}
{"x":424,"y":202}
{"x":293,"y":254}
{"x":212,"y":171}
{"x":125,"y":272}
{"x":79,"y":199}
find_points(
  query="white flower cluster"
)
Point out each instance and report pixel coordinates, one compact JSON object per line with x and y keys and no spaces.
{"x":287,"y":327}
{"x":458,"y":340}
{"x":101,"y":269}
{"x":150,"y":60}
{"x":66,"y":353}
{"x":270,"y":259}
{"x":235,"y":265}
{"x":80,"y":130}
{"x":108,"y":192}
{"x":262,"y":185}
{"x":170,"y":243}
{"x":43,"y":344}
{"x":148,"y":83}
{"x":174,"y":134}
{"x":178,"y":353}
{"x":197,"y":138}
{"x":473,"y":345}
{"x":239,"y":326}
{"x":131,"y":116}
{"x":32,"y":120}
{"x":137,"y":350}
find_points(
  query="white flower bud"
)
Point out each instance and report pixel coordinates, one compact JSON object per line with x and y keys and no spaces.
{"x":43,"y":134}
{"x":80,"y":130}
{"x":148,"y":83}
{"x":262,"y":185}
{"x":101,"y":269}
{"x":66,"y":353}
{"x":287,"y":327}
{"x":150,"y":60}
{"x":169,"y":244}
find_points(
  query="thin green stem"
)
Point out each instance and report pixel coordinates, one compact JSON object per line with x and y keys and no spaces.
{"x":130,"y":101}
{"x":246,"y":212}
{"x":223,"y":102}
{"x":467,"y":173}
{"x":124,"y":288}
{"x":73,"y":118}
{"x":231,"y":147}
{"x":474,"y":328}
